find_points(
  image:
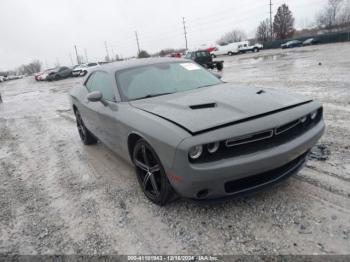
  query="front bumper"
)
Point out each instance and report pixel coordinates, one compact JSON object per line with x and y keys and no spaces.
{"x":223,"y":178}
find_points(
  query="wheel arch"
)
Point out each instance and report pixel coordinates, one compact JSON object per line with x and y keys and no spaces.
{"x":133,"y":137}
{"x":75,"y":109}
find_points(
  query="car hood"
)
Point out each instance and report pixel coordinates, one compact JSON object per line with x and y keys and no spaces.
{"x":207,"y":108}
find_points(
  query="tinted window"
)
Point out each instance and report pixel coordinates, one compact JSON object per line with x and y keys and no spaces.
{"x":89,"y":82}
{"x":188,"y":55}
{"x":203,"y":54}
{"x":92,"y":64}
{"x":100,"y":81}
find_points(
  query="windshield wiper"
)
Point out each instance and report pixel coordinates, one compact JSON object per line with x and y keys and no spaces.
{"x":207,"y":85}
{"x":152,"y":95}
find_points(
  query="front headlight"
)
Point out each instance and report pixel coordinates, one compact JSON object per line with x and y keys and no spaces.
{"x":303,"y":119}
{"x":195,"y":152}
{"x":313,"y":115}
{"x":213,"y":147}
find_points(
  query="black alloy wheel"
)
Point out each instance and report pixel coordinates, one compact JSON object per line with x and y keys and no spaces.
{"x":151,"y":175}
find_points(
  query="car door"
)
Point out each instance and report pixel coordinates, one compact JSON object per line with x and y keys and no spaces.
{"x":61,"y":71}
{"x":106,"y":114}
{"x":87,"y":109}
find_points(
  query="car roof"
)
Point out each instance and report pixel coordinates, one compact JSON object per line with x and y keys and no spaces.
{"x":121,"y":65}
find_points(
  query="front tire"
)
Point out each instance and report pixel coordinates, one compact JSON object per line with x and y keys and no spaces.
{"x":151,"y":175}
{"x":213,"y":56}
{"x":230,"y":53}
{"x":85,"y":135}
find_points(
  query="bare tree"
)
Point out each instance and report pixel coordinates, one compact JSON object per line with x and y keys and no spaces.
{"x":143,"y":54}
{"x":283,"y":24}
{"x":329,"y":16}
{"x":263,"y":33}
{"x":232,"y":37}
{"x":31,"y":68}
{"x":344,"y":16}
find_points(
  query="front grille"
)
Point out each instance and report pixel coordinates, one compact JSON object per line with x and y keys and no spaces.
{"x":249,"y":138}
{"x":263,"y":140}
{"x":265,"y":178}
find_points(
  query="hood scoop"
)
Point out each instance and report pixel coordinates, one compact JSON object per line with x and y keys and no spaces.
{"x":203,"y":106}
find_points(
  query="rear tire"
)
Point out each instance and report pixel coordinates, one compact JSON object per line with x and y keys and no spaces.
{"x":85,"y":135}
{"x":230,"y":53}
{"x":151,"y":175}
{"x":219,"y":66}
{"x":213,"y":56}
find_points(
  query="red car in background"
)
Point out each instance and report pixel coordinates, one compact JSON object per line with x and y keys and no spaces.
{"x":177,"y":55}
{"x":210,"y":49}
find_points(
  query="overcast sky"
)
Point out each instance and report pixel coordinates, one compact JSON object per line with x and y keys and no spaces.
{"x":48,"y":30}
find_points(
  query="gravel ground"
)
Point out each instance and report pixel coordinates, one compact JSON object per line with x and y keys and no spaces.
{"x":60,"y":197}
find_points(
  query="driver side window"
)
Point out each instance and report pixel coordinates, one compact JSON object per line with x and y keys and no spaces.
{"x":100,"y":81}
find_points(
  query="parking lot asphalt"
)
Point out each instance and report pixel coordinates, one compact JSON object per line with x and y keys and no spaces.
{"x":58,"y":196}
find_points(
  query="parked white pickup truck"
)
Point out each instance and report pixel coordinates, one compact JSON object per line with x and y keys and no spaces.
{"x":246,"y":47}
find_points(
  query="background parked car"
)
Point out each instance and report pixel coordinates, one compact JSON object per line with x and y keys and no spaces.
{"x":311,"y":41}
{"x":42,"y":75}
{"x":59,"y":73}
{"x":82,"y":69}
{"x":204,"y":59}
{"x":176,"y":55}
{"x":229,"y":49}
{"x":247,"y":47}
{"x":291,"y":44}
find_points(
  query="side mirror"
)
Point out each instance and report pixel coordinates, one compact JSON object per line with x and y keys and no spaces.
{"x":217,"y":75}
{"x":95,"y":96}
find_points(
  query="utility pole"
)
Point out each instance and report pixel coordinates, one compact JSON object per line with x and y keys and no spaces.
{"x":271,"y":27}
{"x":137,"y":42}
{"x":86,"y":56}
{"x":107,"y":51}
{"x":76,"y":53}
{"x":71,"y":59}
{"x":185,"y":32}
{"x":113,"y":55}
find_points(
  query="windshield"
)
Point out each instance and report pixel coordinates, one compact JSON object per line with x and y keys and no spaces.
{"x":163,"y":78}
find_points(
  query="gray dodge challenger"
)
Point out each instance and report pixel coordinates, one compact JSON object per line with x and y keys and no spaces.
{"x":190,"y":134}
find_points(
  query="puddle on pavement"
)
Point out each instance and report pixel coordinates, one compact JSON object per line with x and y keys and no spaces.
{"x":262,"y":58}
